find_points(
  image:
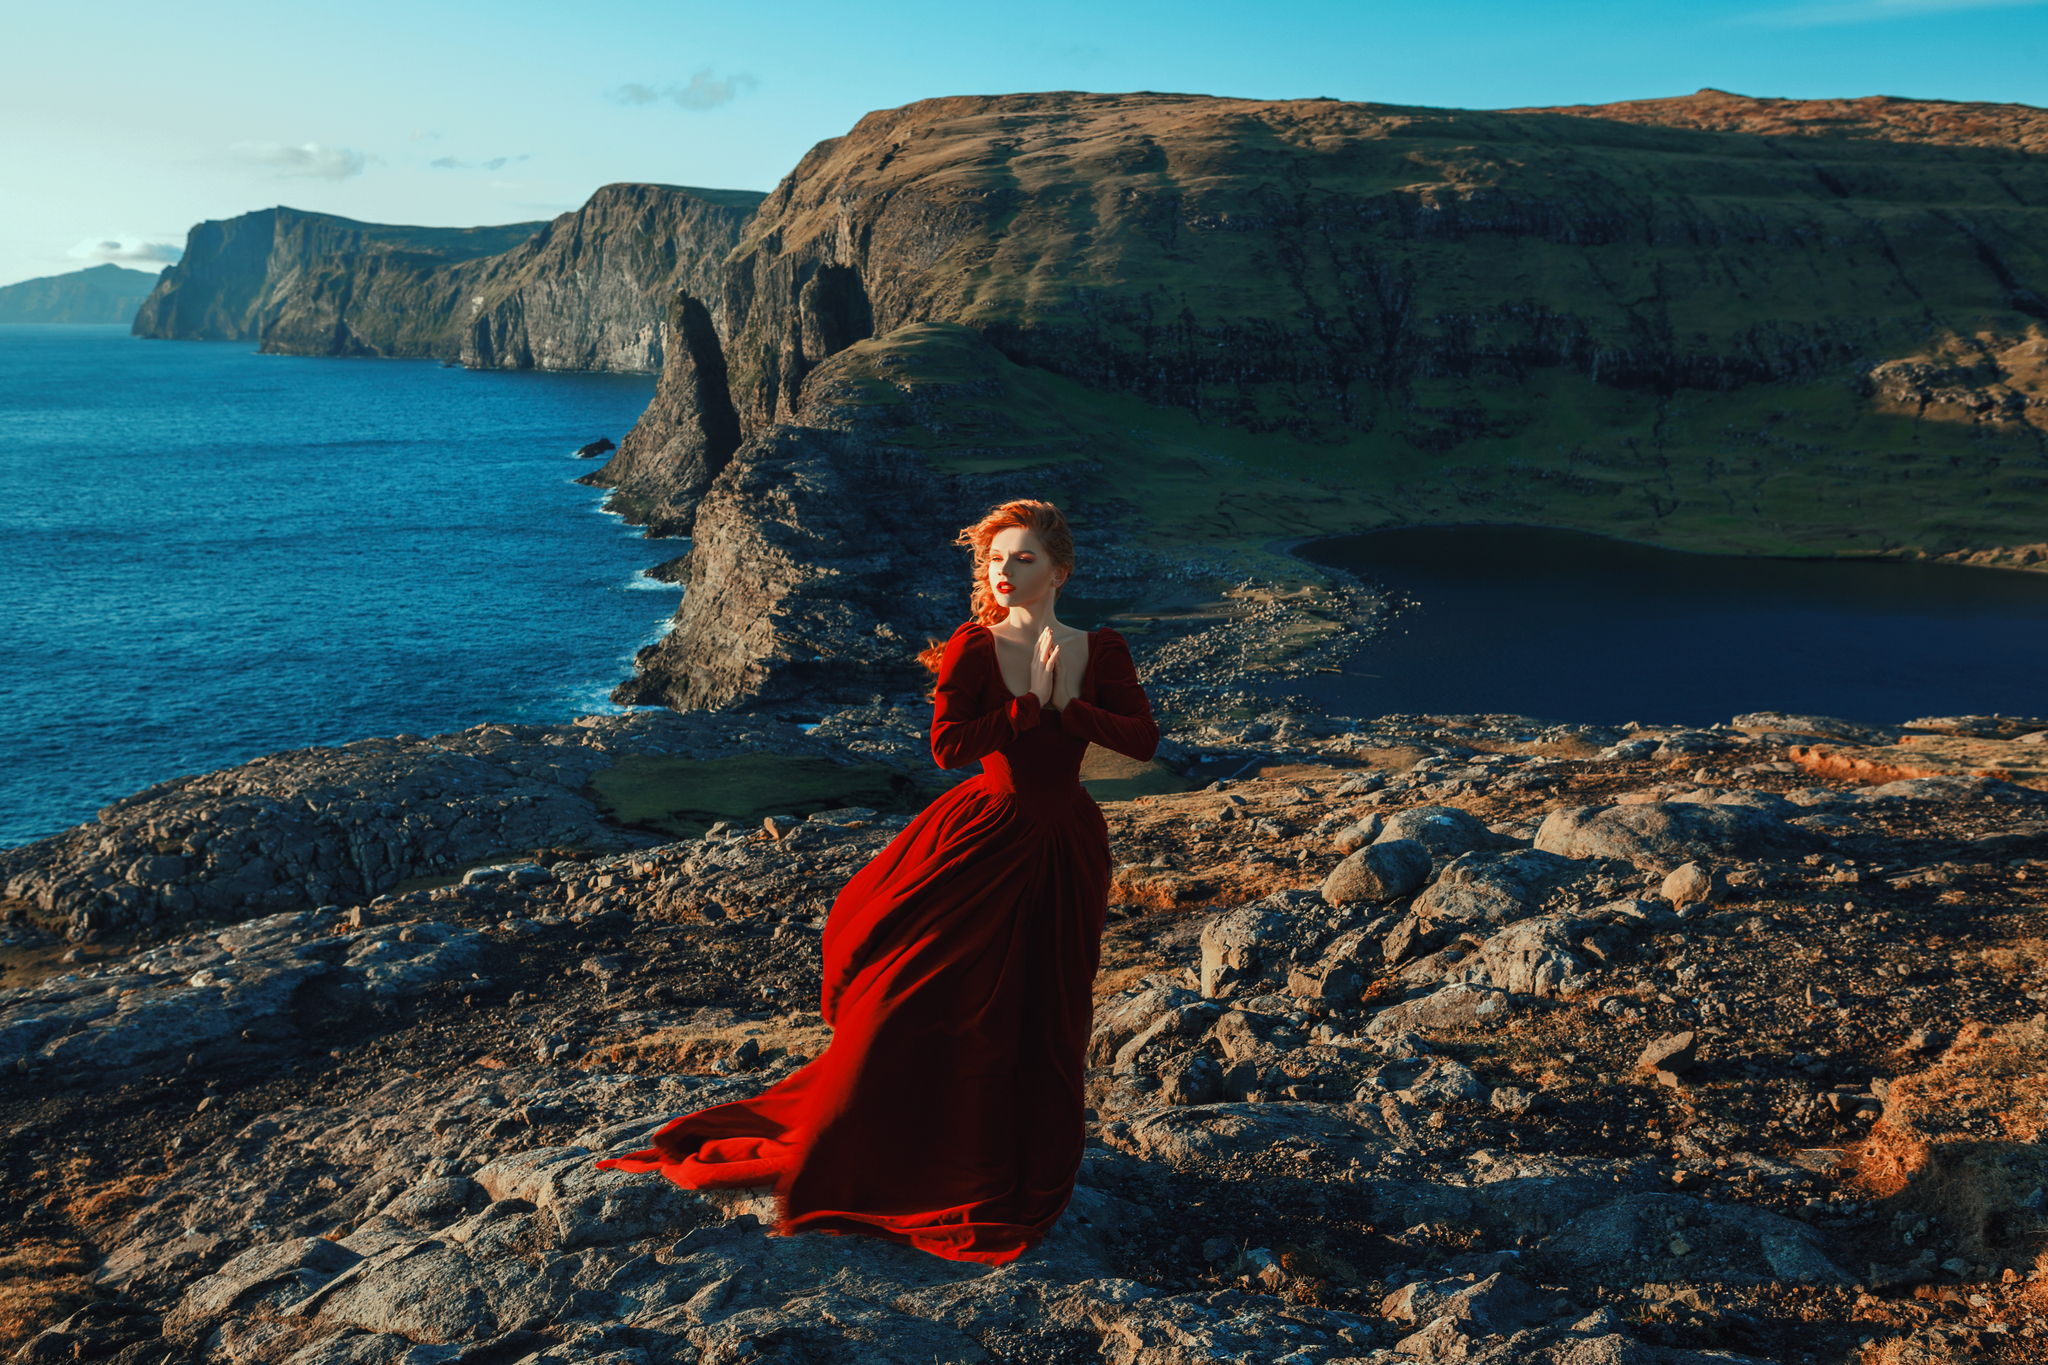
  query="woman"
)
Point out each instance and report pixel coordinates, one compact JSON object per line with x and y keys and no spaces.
{"x":947,"y":1111}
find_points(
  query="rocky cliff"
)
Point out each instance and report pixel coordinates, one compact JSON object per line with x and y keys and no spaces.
{"x":585,"y":292}
{"x":239,"y":277}
{"x":101,"y":293}
{"x":1723,"y":324}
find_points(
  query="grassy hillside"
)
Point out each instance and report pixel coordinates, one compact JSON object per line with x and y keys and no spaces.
{"x":1717,"y":323}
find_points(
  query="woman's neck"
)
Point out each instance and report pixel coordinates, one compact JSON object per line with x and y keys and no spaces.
{"x":1033,"y":619}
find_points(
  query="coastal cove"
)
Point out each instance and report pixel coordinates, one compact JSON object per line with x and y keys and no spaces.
{"x":214,"y":554}
{"x":1569,"y":626}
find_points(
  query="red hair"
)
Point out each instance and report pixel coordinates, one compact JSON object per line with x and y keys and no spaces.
{"x":1043,"y":520}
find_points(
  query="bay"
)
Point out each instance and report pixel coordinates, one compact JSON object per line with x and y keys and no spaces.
{"x":1561,"y":625}
{"x":208,"y":554}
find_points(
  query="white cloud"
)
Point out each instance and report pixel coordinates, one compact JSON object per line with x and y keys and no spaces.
{"x":1874,"y":11}
{"x":422,"y":135}
{"x":496,"y":163}
{"x":309,"y":160}
{"x":127,"y":249}
{"x":705,"y":91}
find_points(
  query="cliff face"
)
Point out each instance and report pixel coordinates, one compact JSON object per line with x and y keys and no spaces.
{"x":589,"y":291}
{"x":1719,"y":323}
{"x":99,"y":294}
{"x":1337,"y":270}
{"x":240,"y":277}
{"x":585,"y":292}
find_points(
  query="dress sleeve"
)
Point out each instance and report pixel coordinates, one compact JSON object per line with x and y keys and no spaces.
{"x":961,"y":732}
{"x":1120,"y":717}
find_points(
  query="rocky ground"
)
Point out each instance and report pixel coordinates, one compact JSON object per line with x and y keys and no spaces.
{"x":1423,"y":1038}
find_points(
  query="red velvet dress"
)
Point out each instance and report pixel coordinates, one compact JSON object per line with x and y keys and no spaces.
{"x":947,"y":1112}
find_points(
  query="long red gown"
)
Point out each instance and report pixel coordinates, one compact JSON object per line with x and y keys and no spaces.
{"x":947,"y":1112}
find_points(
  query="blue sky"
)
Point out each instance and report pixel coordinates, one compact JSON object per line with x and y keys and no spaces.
{"x":121,"y":125}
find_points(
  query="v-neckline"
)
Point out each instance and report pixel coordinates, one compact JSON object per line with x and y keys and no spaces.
{"x":1087,"y":669}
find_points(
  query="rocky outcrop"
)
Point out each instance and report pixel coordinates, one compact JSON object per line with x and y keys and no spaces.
{"x":584,"y":292}
{"x":822,"y":556}
{"x":1624,"y":1131}
{"x":342,"y":825}
{"x":685,"y":438}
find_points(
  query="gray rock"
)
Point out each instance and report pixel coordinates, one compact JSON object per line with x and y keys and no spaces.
{"x":1351,"y":838}
{"x":1233,"y":948}
{"x":1380,"y":872}
{"x":1445,"y":831}
{"x":1166,"y":1033}
{"x":1533,"y":957}
{"x":1453,"y":1007}
{"x":1496,"y":1306}
{"x":1694,"y":884}
{"x":435,"y":1203}
{"x":1479,"y":893}
{"x":592,"y":1207}
{"x":1614,"y":1239}
{"x":1122,"y":1018}
{"x":305,"y":1262}
{"x":1661,"y":835}
{"x":1510,"y":1099}
{"x":1444,"y":1081}
{"x":1674,"y":1052}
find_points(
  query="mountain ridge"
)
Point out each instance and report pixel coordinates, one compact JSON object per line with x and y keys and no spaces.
{"x":101,"y":294}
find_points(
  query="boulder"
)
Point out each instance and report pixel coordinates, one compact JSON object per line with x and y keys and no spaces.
{"x":1123,"y":1017}
{"x":1351,"y":838}
{"x":1333,"y":984}
{"x":1511,"y":1099}
{"x":1677,"y":1053}
{"x":1479,"y":893}
{"x":1242,"y":1035}
{"x":1444,"y":1081}
{"x":1445,"y":831}
{"x":1234,"y":947}
{"x":1455,"y":1006}
{"x":1534,"y":957}
{"x":1378,"y":873}
{"x":1166,"y":1033}
{"x":1693,"y":884}
{"x":1661,"y":835}
{"x":1496,"y":1306}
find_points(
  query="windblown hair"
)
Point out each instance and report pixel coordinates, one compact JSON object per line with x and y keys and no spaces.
{"x":1042,"y":519}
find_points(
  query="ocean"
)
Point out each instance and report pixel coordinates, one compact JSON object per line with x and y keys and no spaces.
{"x":211,"y":554}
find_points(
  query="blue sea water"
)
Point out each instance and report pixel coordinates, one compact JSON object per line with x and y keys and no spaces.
{"x":208,"y":554}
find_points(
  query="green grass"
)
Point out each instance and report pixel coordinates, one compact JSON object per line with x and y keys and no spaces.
{"x":1807,"y":469}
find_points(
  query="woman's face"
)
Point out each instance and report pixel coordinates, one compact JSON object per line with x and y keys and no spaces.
{"x":1020,"y":572}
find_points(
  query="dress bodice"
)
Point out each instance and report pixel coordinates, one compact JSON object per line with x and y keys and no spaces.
{"x":1022,"y":746}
